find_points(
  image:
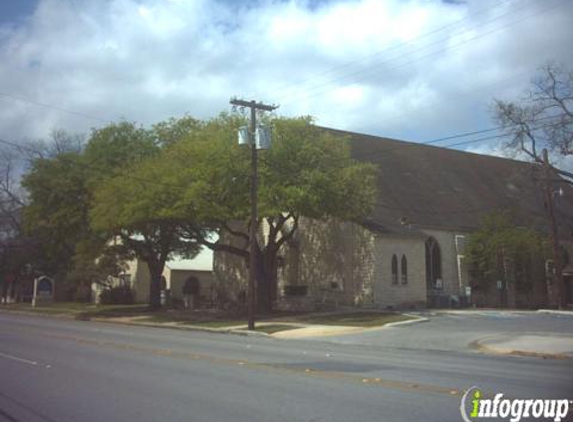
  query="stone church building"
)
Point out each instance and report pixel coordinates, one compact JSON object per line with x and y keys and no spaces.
{"x":409,"y":252}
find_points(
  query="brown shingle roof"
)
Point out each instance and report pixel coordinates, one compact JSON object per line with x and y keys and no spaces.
{"x":429,"y":186}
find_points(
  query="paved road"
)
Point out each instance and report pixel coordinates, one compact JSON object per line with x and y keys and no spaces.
{"x":456,"y":330}
{"x":58,"y":370}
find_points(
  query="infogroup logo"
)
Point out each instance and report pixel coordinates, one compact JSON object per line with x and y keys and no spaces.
{"x":475,"y":406}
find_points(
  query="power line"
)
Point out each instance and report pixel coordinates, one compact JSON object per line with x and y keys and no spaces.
{"x":298,"y":97}
{"x":486,"y":138}
{"x":54,"y":107}
{"x":492,"y":129}
{"x":469,"y":93}
{"x":385,"y":50}
{"x":90,"y":165}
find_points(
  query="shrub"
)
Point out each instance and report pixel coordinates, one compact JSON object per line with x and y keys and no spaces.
{"x":82,"y":293}
{"x":296,"y":290}
{"x":121,"y":295}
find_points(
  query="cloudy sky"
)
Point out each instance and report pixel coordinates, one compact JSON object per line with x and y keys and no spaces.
{"x":409,"y":69}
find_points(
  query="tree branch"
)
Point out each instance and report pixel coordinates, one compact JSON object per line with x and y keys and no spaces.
{"x":222,"y":247}
{"x":198,"y":235}
{"x":237,"y":233}
{"x":291,"y":232}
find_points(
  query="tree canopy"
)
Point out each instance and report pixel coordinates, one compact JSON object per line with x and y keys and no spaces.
{"x":502,"y":251}
{"x":182,"y":184}
{"x":61,"y":190}
{"x":200,"y":185}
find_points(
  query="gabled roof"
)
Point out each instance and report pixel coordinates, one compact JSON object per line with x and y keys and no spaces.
{"x":432,"y":187}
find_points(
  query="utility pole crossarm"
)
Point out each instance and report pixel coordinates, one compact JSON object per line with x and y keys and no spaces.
{"x":253,"y":104}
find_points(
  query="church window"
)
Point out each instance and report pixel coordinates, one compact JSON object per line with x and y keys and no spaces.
{"x":394,"y":269}
{"x":404,"y":269}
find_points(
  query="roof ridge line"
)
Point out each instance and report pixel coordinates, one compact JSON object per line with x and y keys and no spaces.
{"x":422,"y":145}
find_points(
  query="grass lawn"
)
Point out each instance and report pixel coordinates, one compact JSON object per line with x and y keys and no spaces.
{"x":354,"y":319}
{"x":75,"y":308}
{"x":208,"y":318}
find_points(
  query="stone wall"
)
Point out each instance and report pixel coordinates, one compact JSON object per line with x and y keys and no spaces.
{"x":412,"y":293}
{"x":334,"y":259}
{"x":344,"y":264}
{"x":230,"y":272}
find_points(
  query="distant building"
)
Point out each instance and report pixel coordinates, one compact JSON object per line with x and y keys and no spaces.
{"x":176,"y":272}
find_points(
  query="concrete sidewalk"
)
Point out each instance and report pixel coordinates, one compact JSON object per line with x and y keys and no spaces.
{"x":298,"y":331}
{"x":315,"y":330}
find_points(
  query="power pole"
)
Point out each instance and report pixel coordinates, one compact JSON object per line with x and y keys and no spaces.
{"x":253,"y":244}
{"x":558,"y":287}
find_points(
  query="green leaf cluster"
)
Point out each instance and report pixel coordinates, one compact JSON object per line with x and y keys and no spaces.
{"x":205,"y":178}
{"x":500,"y":250}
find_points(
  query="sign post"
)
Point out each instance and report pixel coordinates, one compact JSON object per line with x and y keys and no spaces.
{"x":43,"y":290}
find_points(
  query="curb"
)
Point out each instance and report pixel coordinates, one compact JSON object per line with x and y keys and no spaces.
{"x":183,"y":327}
{"x":417,"y":320}
{"x":555,"y":312}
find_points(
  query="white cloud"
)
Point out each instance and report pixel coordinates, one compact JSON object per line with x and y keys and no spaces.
{"x":367,"y":65}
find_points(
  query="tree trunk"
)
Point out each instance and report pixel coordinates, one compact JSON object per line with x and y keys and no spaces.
{"x":155,"y":285}
{"x":267,"y":280}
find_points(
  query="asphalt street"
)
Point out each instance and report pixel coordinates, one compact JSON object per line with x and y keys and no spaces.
{"x":61,"y":370}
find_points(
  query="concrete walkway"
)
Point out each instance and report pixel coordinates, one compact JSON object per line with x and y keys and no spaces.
{"x":549,"y":346}
{"x":317,"y":331}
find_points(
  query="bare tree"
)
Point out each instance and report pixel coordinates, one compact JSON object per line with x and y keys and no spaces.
{"x":11,"y":202}
{"x":60,"y":142}
{"x":543,"y":118}
{"x":11,"y":195}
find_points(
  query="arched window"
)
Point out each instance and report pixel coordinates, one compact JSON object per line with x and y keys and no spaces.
{"x":433,"y":264}
{"x":404,"y":269}
{"x":394,"y":269}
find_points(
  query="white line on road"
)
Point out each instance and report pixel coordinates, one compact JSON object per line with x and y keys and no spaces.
{"x":29,"y":362}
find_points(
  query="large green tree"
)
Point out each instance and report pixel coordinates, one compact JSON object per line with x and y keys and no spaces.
{"x":56,"y":212}
{"x":502,"y":251}
{"x":202,"y":182}
{"x":139,"y":227}
{"x":118,"y":210}
{"x":61,"y":190}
